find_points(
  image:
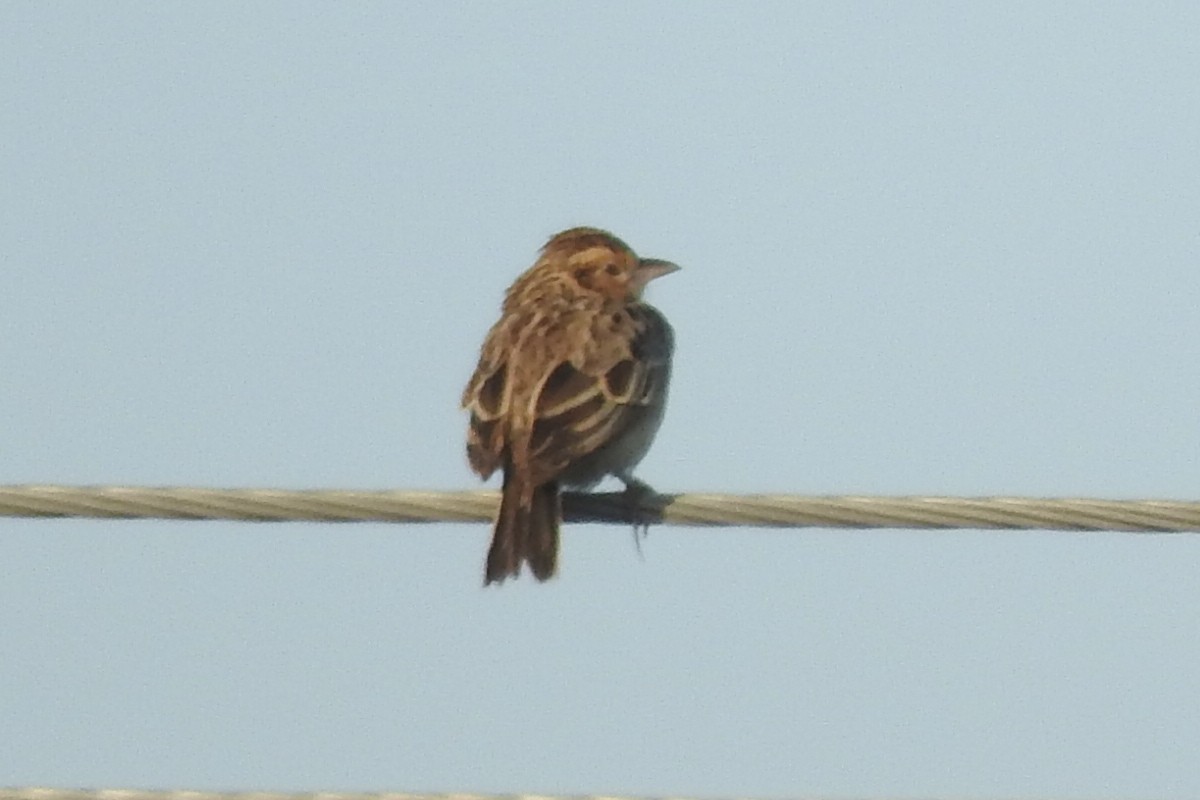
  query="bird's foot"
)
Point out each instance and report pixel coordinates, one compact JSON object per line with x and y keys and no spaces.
{"x":636,"y":494}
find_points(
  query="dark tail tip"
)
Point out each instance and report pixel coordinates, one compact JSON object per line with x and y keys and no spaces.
{"x":541,"y":549}
{"x":524,"y":533}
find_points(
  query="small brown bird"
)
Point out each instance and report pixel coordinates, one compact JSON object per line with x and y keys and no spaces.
{"x":570,"y":387}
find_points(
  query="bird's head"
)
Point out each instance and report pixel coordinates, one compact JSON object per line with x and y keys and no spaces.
{"x":600,"y":262}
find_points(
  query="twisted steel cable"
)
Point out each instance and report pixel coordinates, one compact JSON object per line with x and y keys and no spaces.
{"x":753,"y":510}
{"x":39,"y":793}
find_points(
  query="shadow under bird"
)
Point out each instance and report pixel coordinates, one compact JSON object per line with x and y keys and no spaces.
{"x":571,"y":386}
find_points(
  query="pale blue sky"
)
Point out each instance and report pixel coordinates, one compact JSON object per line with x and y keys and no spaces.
{"x":932,"y":248}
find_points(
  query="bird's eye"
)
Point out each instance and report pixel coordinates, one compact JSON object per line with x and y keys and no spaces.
{"x":611,"y":269}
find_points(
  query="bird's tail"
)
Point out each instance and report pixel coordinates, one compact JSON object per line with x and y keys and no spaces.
{"x":524,"y":532}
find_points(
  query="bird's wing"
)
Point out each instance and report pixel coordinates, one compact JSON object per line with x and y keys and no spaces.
{"x":591,"y":395}
{"x":546,"y":393}
{"x":487,"y":398}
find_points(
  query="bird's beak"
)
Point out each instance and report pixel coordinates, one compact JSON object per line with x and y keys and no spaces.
{"x":651,"y":268}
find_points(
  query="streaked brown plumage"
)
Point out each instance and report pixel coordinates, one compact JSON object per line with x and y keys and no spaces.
{"x":570,"y":387}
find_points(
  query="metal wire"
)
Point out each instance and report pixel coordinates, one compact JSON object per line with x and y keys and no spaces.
{"x":40,"y":793}
{"x":755,"y":510}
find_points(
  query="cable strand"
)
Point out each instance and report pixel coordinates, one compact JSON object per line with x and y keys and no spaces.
{"x":695,"y":510}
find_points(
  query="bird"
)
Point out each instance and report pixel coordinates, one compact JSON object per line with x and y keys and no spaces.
{"x":570,"y":387}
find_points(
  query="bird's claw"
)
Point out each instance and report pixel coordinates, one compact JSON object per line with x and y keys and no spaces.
{"x":636,"y":493}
